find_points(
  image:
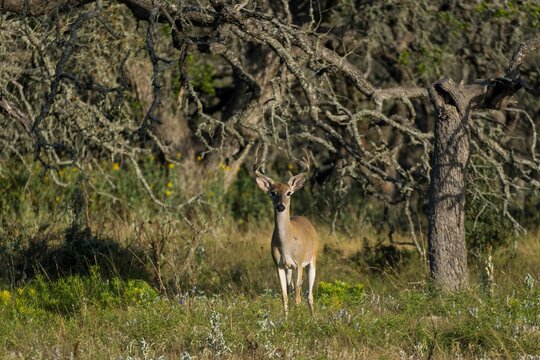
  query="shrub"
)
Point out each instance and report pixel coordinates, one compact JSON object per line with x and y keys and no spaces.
{"x":339,"y":293}
{"x":485,"y":224}
{"x":70,"y":294}
{"x":382,"y":256}
{"x":245,"y":201}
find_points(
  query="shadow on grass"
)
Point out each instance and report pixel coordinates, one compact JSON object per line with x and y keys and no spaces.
{"x":77,"y":253}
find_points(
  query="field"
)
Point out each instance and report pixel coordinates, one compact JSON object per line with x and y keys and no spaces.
{"x":120,"y":278}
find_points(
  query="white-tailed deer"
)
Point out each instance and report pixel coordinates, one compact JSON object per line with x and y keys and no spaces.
{"x":294,"y":241}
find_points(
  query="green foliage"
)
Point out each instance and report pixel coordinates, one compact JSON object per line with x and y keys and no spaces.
{"x":246,"y":202}
{"x":511,"y":11}
{"x":108,"y":186}
{"x":226,"y":303}
{"x":404,"y":57}
{"x":201,"y":75}
{"x":486,"y":227}
{"x":338,"y":293}
{"x":485,"y":224}
{"x":17,"y":184}
{"x":454,"y":24}
{"x":429,"y":61}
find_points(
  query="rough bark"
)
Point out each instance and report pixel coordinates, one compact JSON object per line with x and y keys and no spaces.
{"x":446,"y":232}
{"x":38,"y":7}
{"x":263,"y":65}
{"x":172,"y":128}
{"x":453,"y":103}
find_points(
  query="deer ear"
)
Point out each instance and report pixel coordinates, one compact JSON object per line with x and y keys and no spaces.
{"x":264,"y":184}
{"x":297,"y":182}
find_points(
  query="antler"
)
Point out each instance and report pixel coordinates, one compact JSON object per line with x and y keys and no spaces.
{"x":258,"y":165}
{"x":305,"y":163}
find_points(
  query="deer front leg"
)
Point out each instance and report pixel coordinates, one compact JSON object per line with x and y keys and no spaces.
{"x":283,"y":282}
{"x":298,"y":288}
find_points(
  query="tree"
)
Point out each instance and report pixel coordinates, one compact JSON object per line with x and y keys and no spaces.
{"x":454,"y":103}
{"x":309,"y":88}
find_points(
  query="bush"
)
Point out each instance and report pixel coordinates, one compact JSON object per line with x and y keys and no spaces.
{"x":245,"y":201}
{"x":339,"y":293}
{"x":70,"y":294}
{"x":485,"y":224}
{"x":382,"y":256}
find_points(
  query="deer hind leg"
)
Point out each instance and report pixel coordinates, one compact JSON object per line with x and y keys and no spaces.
{"x":298,"y":287}
{"x":311,"y":270}
{"x":283,"y":282}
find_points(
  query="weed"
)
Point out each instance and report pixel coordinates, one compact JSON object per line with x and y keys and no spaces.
{"x":216,"y":340}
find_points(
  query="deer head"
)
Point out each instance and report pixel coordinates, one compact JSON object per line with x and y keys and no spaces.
{"x":280,"y":193}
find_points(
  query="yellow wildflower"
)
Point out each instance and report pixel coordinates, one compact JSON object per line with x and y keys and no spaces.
{"x":290,"y":166}
{"x":152,"y":157}
{"x":169,"y":184}
{"x":199,"y":158}
{"x":116,"y":166}
{"x":171,"y":166}
{"x":57,"y":199}
{"x":168,"y":192}
{"x":227,"y":168}
{"x":5,"y":297}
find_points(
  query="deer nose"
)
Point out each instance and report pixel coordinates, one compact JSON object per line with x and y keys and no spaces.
{"x":280,"y":207}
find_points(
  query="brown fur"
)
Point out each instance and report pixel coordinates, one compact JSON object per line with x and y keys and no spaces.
{"x":295,"y":241}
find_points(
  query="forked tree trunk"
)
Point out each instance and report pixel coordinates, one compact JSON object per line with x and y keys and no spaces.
{"x":446,"y":232}
{"x":453,"y":103}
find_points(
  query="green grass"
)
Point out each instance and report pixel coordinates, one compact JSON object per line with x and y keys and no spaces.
{"x":232,"y":325}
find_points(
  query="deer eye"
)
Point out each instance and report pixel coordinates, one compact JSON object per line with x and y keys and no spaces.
{"x":273,"y":193}
{"x":289,"y":193}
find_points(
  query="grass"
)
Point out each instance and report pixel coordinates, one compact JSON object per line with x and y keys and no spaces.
{"x":240,"y":316}
{"x":233,"y":325}
{"x":125,"y":280}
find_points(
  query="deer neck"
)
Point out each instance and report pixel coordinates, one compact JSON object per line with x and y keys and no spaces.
{"x":283,"y":225}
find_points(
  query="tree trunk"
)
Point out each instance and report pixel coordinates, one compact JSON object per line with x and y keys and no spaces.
{"x":446,"y":232}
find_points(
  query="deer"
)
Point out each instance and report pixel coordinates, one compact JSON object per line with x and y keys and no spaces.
{"x":295,"y":241}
